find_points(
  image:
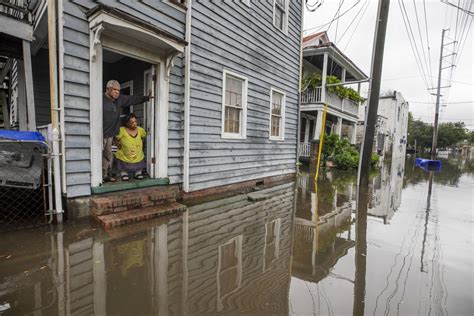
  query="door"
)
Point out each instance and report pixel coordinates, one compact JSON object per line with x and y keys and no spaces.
{"x":149,"y":119}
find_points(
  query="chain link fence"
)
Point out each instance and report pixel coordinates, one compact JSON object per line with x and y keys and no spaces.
{"x":25,"y":195}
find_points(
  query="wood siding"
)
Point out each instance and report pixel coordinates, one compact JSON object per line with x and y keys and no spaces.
{"x":240,"y":38}
{"x":76,"y":86}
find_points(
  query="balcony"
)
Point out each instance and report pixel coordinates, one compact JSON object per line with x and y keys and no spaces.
{"x":314,"y":96}
{"x":16,"y":9}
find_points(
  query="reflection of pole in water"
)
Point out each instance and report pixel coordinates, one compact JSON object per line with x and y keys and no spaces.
{"x":427,"y":217}
{"x":360,"y":251}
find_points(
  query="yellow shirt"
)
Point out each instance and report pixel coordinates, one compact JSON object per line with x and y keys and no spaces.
{"x":131,"y":148}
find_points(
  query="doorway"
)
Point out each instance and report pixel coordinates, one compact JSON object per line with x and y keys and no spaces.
{"x":135,"y":78}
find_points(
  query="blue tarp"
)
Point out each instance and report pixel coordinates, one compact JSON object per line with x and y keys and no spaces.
{"x":21,"y":135}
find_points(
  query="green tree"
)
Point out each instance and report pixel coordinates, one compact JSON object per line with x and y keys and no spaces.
{"x":450,"y":134}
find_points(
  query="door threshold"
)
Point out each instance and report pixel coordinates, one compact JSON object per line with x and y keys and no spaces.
{"x":129,"y":185}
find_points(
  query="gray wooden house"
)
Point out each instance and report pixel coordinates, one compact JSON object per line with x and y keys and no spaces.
{"x":224,"y":75}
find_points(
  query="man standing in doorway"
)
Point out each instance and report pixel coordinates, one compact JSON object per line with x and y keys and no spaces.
{"x":112,"y":104}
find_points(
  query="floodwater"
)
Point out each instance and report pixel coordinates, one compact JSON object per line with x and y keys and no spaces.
{"x":407,"y":251}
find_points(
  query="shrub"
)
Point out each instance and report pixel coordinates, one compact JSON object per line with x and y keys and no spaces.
{"x":374,"y":159}
{"x":347,"y":160}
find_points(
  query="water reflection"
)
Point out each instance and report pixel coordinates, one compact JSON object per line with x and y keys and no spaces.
{"x":402,"y":247}
{"x":226,"y":256}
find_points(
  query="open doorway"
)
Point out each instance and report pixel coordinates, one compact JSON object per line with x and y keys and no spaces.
{"x":135,"y":78}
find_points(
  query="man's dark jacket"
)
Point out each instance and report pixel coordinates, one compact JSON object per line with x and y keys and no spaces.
{"x":113,"y":109}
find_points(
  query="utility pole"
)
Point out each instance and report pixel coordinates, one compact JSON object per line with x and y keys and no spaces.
{"x":438,"y":95}
{"x":376,"y":73}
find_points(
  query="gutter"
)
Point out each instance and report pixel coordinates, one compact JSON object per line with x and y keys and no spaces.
{"x":187,"y":97}
{"x":298,"y":125}
{"x":60,"y":20}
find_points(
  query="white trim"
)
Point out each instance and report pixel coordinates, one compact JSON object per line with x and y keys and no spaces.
{"x":243,"y":121}
{"x":161,"y":124}
{"x":161,"y":90}
{"x":187,"y":97}
{"x":101,"y":18}
{"x":281,"y":137}
{"x":96,"y":124}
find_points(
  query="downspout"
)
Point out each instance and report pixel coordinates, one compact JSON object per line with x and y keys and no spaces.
{"x":61,"y":93}
{"x":298,"y":131}
{"x":187,"y":97}
{"x":53,"y":92}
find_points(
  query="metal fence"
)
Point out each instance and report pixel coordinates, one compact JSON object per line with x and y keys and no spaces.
{"x":25,"y":189}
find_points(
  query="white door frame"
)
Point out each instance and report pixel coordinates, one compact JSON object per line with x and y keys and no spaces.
{"x":96,"y":94}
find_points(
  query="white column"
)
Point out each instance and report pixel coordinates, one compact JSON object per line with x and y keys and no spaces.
{"x":318,"y":125}
{"x":343,"y":75}
{"x":30,"y":96}
{"x":21,"y":102}
{"x":306,"y":130}
{"x":323,"y":78}
{"x":339,"y":126}
{"x":354,"y":134}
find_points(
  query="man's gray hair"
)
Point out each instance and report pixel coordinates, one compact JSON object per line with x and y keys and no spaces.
{"x":112,"y":83}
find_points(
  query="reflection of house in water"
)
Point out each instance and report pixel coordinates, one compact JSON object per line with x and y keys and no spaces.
{"x":319,"y":225}
{"x":230,"y":255}
{"x":385,"y":192}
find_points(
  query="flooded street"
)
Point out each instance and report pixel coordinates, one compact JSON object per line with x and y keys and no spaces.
{"x":292,"y":251}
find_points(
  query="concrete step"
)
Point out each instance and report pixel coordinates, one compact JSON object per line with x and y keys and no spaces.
{"x":139,"y":214}
{"x":130,"y":200}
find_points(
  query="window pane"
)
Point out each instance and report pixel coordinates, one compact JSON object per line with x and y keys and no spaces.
{"x":275,"y":126}
{"x":232,"y":120}
{"x":277,"y":101}
{"x":234,"y":91}
{"x":279,"y":17}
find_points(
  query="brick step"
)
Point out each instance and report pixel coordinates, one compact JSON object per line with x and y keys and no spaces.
{"x":143,"y":198}
{"x":139,"y":214}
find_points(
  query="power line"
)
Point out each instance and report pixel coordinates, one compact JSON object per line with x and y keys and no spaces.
{"x":333,"y":19}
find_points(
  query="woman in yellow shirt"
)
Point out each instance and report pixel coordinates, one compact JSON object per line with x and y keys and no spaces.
{"x":130,"y":157}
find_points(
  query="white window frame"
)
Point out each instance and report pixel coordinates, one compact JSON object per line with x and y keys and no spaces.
{"x":275,"y":244}
{"x":281,"y":137}
{"x":285,"y":16}
{"x":243,"y":121}
{"x":181,"y":7}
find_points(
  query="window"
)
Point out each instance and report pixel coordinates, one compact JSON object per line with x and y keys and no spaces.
{"x":280,"y":15}
{"x":277,"y":115}
{"x":234,"y":106}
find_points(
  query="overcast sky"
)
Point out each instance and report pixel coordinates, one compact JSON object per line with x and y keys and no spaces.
{"x":353,"y":33}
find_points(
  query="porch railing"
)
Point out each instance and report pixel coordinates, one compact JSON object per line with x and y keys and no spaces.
{"x":311,"y":95}
{"x":333,"y":100}
{"x":305,"y":150}
{"x":17,"y":9}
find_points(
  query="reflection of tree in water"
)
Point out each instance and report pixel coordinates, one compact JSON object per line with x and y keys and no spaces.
{"x":449,"y":175}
